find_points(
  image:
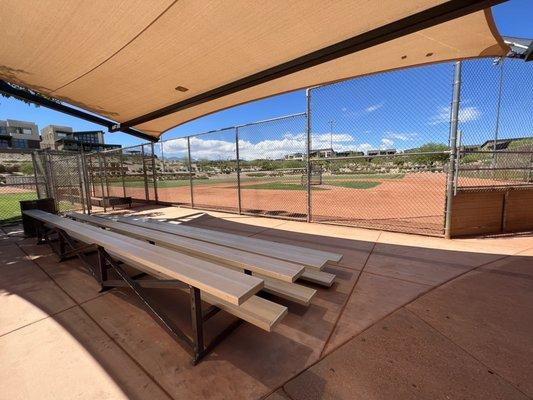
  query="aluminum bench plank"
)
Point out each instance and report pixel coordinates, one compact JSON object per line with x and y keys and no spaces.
{"x":296,"y":254}
{"x":266,"y":266}
{"x":225,"y":284}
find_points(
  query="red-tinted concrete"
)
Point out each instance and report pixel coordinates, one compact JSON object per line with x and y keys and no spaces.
{"x":127,"y":354}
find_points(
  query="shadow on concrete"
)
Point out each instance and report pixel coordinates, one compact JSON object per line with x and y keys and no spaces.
{"x":250,"y":363}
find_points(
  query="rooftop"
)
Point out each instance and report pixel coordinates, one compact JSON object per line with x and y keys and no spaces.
{"x":409,"y":317}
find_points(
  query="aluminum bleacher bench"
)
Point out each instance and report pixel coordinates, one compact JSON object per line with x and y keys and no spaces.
{"x":217,"y":285}
{"x":278,"y":275}
{"x":313,"y":260}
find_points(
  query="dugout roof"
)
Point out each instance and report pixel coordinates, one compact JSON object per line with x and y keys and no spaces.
{"x":152,"y":65}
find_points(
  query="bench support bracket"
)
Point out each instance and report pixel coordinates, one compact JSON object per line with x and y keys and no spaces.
{"x":68,"y":248}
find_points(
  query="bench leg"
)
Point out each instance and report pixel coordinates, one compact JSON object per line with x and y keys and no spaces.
{"x":101,"y":270}
{"x":197,"y":325}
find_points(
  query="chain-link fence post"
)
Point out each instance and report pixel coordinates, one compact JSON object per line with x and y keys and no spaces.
{"x":154,"y":172}
{"x":456,"y":99}
{"x":100,"y":172}
{"x":104,"y":162}
{"x":190,"y":169}
{"x":86,"y":183}
{"x":122,"y":172}
{"x":238,"y":167}
{"x":80,"y":181}
{"x":145,"y":176}
{"x":308,"y":152}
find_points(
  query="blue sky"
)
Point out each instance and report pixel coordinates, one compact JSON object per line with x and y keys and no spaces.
{"x":382,"y":111}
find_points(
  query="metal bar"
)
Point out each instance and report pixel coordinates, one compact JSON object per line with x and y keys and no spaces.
{"x":146,"y":191}
{"x":308,"y":153}
{"x":122,"y":173}
{"x":197,"y":324}
{"x":101,"y":181}
{"x":53,"y":182}
{"x":34,"y":162}
{"x":410,"y":24}
{"x":154,"y":173}
{"x":190,"y":169}
{"x":104,"y":161}
{"x":158,"y":315}
{"x":238,"y":169}
{"x":41,"y":100}
{"x":210,"y":312}
{"x":147,"y":284}
{"x":454,"y":123}
{"x":80,"y":183}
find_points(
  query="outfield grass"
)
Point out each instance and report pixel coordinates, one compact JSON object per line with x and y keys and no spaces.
{"x":355,"y":184}
{"x":10,"y":207}
{"x":278,"y":186}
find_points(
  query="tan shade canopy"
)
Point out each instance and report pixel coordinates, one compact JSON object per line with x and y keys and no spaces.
{"x":124,"y":59}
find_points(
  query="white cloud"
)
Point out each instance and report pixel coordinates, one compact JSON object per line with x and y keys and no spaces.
{"x":373,"y":107}
{"x":266,"y":149}
{"x":386,"y":143}
{"x":466,"y":114}
{"x":401,"y":136}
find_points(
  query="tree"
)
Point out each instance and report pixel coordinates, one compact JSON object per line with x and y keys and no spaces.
{"x":430,"y":159}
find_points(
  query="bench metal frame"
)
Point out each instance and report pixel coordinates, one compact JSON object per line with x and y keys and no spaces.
{"x":69,"y":248}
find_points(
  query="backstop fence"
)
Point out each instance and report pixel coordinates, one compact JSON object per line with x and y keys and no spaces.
{"x":443,"y":149}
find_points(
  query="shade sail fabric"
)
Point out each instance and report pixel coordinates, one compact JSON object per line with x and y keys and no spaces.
{"x":123,"y":59}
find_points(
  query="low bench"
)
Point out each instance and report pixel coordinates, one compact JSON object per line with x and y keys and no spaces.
{"x":289,"y":253}
{"x":296,"y":254}
{"x":224,"y":288}
{"x":111,"y":201}
{"x":278,"y":275}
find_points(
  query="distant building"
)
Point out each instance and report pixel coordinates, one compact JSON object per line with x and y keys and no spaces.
{"x":64,"y":138}
{"x":19,"y":135}
{"x":501,"y":144}
{"x":295,"y":156}
{"x":349,"y":153}
{"x":383,"y":152}
{"x":322,"y":153}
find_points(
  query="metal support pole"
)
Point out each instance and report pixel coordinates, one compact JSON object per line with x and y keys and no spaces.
{"x":146,"y":191}
{"x":100,"y":171}
{"x":454,"y":123}
{"x":308,"y":152}
{"x":154,"y":173}
{"x":238,"y":169}
{"x":190,"y":169}
{"x":85,"y":176}
{"x":104,"y":161}
{"x":197,"y":324}
{"x":80,"y":181}
{"x":122,"y":173}
{"x":53,"y":182}
{"x":34,"y":162}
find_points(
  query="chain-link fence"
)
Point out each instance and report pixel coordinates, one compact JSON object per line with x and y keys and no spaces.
{"x":380,"y":151}
{"x":381,"y":144}
{"x":496,"y":124}
{"x":17,"y":183}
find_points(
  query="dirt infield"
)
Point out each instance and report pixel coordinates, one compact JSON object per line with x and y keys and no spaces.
{"x":414,"y":203}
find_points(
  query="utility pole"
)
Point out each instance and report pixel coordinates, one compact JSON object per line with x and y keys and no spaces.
{"x":331,"y":122}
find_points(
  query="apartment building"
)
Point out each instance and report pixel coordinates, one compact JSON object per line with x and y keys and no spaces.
{"x":64,"y":138}
{"x":19,"y":135}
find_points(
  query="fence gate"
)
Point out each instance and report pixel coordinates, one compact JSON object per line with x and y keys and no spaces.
{"x":62,"y":176}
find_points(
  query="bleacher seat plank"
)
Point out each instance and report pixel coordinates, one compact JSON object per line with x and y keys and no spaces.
{"x":290,"y":291}
{"x":211,"y":278}
{"x":296,"y":254}
{"x":319,"y":277}
{"x":260,"y":312}
{"x":266,"y":266}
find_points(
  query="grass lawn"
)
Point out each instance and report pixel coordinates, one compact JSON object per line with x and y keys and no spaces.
{"x":10,"y":207}
{"x":355,"y":184}
{"x":278,"y":186}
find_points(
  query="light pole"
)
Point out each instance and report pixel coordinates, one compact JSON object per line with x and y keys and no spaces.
{"x":331,"y":122}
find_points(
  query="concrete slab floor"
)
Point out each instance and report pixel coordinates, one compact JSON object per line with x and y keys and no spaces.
{"x":409,"y":317}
